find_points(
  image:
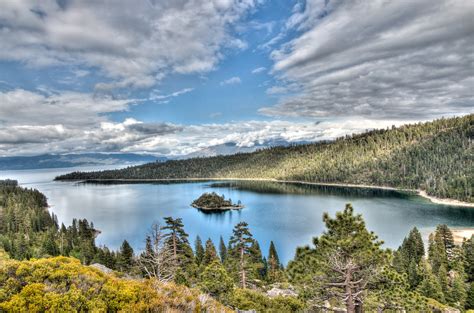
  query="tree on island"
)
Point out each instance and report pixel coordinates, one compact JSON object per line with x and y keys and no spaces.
{"x":212,"y":201}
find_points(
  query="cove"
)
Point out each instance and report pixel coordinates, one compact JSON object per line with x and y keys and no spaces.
{"x":288,"y":214}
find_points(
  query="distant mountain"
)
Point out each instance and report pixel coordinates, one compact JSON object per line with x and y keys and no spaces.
{"x":72,"y":160}
{"x":437,"y":157}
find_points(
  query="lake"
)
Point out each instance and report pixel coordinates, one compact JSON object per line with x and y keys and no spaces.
{"x":288,"y":214}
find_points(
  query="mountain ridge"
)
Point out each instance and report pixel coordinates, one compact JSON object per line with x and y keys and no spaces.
{"x":72,"y":160}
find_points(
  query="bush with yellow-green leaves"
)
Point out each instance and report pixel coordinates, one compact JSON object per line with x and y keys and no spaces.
{"x":63,"y":284}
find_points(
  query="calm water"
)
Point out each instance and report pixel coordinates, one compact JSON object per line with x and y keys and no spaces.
{"x":290,"y":215}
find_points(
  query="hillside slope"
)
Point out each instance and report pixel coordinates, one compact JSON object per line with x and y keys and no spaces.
{"x":436,"y":157}
{"x":63,"y":284}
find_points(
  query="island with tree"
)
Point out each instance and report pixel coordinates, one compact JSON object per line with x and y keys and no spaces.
{"x":211,"y":201}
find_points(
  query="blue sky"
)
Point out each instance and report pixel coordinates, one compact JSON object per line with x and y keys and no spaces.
{"x":180,"y":77}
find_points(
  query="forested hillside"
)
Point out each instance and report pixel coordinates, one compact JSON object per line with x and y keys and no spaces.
{"x":437,"y":157}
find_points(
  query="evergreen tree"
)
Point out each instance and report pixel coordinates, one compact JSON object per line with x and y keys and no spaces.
{"x":210,"y":254}
{"x":468,"y":247}
{"x":49,"y":244}
{"x":215,"y":280}
{"x":345,"y":260}
{"x":198,"y":250}
{"x":444,"y":237}
{"x":469,"y":305}
{"x":177,"y":238}
{"x":429,"y":286}
{"x":443,"y":282}
{"x":274,"y":272}
{"x":256,"y":261}
{"x":458,"y":291}
{"x":391,"y":293}
{"x":183,"y":257}
{"x":222,"y":250}
{"x":240,"y":252}
{"x":125,"y":260}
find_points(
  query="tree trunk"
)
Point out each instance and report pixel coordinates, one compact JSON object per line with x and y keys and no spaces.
{"x":350,"y":305}
{"x":174,"y":246}
{"x":242,"y":269}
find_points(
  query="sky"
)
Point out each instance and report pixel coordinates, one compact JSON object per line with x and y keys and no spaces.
{"x":177,"y":77}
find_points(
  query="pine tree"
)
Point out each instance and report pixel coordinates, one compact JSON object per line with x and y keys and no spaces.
{"x":256,"y":261}
{"x":436,"y":253}
{"x":49,"y":244}
{"x":468,"y":247}
{"x":215,"y":280}
{"x":346,"y":258}
{"x":469,"y":305}
{"x":222,"y":250}
{"x":183,"y":257}
{"x":198,"y":250}
{"x":125,"y":261}
{"x":429,"y":286}
{"x":210,"y":254}
{"x":274,"y":267}
{"x":240,"y":243}
{"x":443,"y":282}
{"x":391,"y":293}
{"x":458,"y":294}
{"x":445,"y":238}
{"x":177,"y":238}
{"x":440,"y":250}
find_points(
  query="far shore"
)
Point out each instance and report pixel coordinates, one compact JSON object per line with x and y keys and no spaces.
{"x":459,"y":234}
{"x":421,"y":193}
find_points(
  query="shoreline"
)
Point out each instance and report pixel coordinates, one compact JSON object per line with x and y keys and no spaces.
{"x":459,"y":234}
{"x":418,"y":192}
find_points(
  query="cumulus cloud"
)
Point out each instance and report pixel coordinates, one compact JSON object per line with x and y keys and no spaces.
{"x":378,"y":59}
{"x":231,"y":81}
{"x":36,"y":136}
{"x":135,"y":43}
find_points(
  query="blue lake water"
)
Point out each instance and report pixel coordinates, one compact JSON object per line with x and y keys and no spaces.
{"x":290,"y":215}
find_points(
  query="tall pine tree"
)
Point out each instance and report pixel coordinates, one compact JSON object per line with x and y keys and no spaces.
{"x":239,"y":259}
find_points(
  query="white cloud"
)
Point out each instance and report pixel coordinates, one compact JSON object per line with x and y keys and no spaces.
{"x":35,"y":123}
{"x":135,"y":43}
{"x":231,"y":81}
{"x":258,"y":70}
{"x":378,"y":59}
{"x":21,"y":107}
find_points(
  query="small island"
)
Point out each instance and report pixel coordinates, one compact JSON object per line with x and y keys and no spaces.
{"x":213,"y":202}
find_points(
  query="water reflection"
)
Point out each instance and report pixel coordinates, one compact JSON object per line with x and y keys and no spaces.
{"x":269,"y":187}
